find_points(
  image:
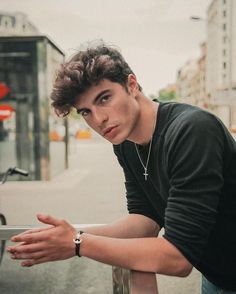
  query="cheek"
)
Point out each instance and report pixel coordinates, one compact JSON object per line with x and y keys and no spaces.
{"x":125,"y":109}
{"x":89,"y":123}
{"x":132,"y":111}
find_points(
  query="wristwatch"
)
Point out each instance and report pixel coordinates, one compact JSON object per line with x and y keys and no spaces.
{"x":77,"y":242}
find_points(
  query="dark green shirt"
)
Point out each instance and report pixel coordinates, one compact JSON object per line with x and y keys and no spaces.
{"x":191,"y":187}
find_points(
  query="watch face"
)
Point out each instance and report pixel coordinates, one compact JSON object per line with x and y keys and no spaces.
{"x":77,"y":241}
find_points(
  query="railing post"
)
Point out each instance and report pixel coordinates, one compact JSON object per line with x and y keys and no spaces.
{"x":121,"y":280}
{"x":133,"y":282}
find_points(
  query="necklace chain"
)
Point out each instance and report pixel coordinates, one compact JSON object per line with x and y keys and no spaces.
{"x":145,"y":167}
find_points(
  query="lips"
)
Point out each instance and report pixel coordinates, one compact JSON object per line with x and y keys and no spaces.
{"x":111,"y":132}
{"x":108,"y":130}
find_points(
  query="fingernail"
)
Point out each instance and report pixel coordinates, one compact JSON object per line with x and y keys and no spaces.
{"x":10,"y":250}
{"x":25,"y":265}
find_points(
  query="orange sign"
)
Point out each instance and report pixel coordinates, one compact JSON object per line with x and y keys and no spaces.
{"x":4,"y":90}
{"x":6,"y":111}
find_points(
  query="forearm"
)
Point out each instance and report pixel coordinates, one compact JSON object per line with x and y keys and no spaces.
{"x":130,"y":226}
{"x":142,"y":254}
{"x":128,"y":249}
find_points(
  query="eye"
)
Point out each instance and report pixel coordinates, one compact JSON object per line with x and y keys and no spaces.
{"x":104,"y":99}
{"x":83,"y":112}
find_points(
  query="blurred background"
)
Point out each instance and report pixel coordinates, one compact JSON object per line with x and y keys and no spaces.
{"x":179,"y":50}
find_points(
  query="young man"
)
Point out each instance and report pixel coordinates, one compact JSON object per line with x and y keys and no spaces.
{"x":179,"y":164}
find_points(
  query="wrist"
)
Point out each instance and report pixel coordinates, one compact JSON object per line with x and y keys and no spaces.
{"x":77,"y":241}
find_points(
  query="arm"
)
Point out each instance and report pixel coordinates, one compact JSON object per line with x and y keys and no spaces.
{"x":195,"y":169}
{"x":143,"y":254}
{"x":130,"y":226}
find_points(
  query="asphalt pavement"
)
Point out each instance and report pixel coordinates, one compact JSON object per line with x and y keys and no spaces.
{"x":90,"y":191}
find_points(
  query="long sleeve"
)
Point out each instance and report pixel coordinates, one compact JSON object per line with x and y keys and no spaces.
{"x":194,"y":149}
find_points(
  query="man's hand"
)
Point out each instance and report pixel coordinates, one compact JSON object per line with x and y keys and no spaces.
{"x":46,"y":244}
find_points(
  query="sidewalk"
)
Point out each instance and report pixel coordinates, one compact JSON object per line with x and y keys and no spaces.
{"x":91,"y":191}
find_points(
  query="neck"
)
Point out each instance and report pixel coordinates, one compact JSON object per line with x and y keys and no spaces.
{"x":145,"y":125}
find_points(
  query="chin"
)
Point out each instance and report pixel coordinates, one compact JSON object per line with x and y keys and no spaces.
{"x":117,"y":141}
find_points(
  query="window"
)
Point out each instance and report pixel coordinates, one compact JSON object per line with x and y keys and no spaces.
{"x":6,"y":22}
{"x":224,"y":65}
{"x":224,"y":13}
{"x":224,"y":52}
{"x":224,"y":26}
{"x":224,"y":39}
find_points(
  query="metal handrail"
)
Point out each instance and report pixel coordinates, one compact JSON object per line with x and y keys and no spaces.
{"x":124,"y":281}
{"x":6,"y":232}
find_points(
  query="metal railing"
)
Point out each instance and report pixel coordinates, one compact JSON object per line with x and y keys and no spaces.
{"x":124,"y":281}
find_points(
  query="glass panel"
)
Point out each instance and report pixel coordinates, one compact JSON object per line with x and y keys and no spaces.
{"x":27,"y":68}
{"x":17,"y":69}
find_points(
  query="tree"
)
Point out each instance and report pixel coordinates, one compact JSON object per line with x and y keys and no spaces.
{"x":164,"y":95}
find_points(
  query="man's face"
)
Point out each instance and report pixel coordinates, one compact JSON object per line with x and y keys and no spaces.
{"x":110,"y":109}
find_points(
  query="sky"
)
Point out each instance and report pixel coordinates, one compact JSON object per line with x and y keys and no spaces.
{"x":156,"y":37}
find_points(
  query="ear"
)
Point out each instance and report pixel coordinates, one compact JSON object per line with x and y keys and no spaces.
{"x":132,"y":84}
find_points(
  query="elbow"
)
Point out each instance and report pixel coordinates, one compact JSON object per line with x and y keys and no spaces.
{"x":181,"y":268}
{"x":184,"y":269}
{"x":153,"y":231}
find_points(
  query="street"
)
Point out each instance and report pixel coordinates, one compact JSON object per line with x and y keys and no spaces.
{"x":91,"y":191}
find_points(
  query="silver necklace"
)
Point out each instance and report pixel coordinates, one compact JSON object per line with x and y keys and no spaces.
{"x":145,"y":167}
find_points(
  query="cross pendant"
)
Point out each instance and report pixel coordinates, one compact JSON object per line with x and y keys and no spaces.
{"x":145,"y":174}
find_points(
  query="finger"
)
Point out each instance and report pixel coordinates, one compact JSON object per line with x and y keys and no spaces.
{"x":24,"y":247}
{"x":28,"y":255}
{"x":11,"y":248}
{"x":49,"y":220}
{"x":36,"y":230}
{"x":31,"y":262}
{"x":32,"y":238}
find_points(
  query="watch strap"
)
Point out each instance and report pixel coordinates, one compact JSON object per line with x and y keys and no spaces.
{"x":77,"y":242}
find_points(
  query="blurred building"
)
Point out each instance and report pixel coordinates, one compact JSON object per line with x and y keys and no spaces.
{"x":31,"y":136}
{"x":191,"y":81}
{"x":203,"y":100}
{"x":187,"y":82}
{"x":13,"y":24}
{"x":221,"y":59}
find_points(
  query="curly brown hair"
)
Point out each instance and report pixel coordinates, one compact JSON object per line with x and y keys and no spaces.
{"x":85,"y":69}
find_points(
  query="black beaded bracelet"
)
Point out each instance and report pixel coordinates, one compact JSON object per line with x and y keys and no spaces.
{"x":77,"y":242}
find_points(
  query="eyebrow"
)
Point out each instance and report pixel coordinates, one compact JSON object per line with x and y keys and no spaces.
{"x":95,"y":99}
{"x":100,"y":94}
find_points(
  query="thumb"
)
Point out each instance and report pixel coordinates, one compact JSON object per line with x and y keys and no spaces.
{"x":48,"y":219}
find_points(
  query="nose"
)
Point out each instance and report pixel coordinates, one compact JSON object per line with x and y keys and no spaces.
{"x":100,"y":117}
